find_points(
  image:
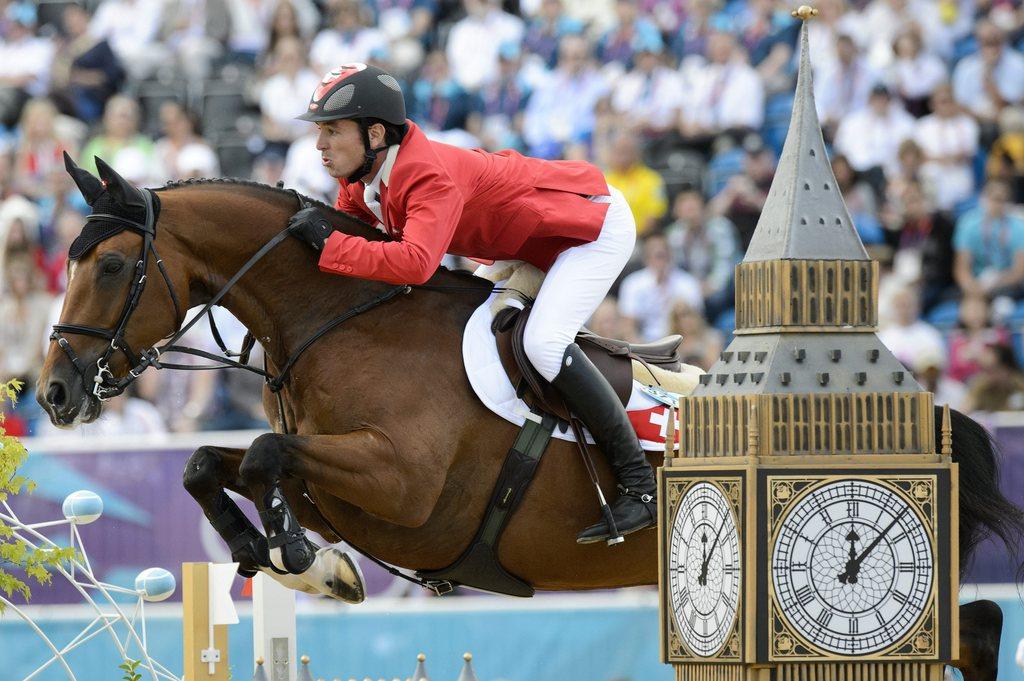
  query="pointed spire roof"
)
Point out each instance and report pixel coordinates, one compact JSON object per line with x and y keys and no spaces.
{"x":804,"y":216}
{"x":421,"y":669}
{"x":467,"y":669}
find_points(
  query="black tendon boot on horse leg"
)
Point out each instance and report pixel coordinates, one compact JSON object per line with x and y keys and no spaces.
{"x":589,"y":397}
{"x":203,"y":480}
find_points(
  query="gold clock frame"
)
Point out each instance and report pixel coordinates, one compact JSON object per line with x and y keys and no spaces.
{"x":919,"y":492}
{"x":673,"y":483}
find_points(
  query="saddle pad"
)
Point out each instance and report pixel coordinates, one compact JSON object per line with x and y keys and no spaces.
{"x":491,"y":385}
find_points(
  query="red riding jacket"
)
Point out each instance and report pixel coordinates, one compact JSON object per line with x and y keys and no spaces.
{"x":437,"y":199}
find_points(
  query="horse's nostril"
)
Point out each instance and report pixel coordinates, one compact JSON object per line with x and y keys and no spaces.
{"x":57,"y":395}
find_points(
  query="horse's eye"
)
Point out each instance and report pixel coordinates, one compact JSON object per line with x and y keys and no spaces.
{"x":113,"y":267}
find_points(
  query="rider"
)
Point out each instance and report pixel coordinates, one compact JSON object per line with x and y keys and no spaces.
{"x":432,"y":198}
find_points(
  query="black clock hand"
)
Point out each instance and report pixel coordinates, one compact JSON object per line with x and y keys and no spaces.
{"x":852,"y":569}
{"x":707,"y":559}
{"x":703,"y":578}
{"x":851,"y":574}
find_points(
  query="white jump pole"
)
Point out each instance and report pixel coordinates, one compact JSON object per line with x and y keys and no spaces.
{"x":273,"y":628}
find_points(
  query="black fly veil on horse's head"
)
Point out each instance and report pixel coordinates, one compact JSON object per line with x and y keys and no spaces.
{"x":112,"y":195}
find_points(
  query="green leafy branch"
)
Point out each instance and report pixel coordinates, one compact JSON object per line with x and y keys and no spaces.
{"x":14,"y":552}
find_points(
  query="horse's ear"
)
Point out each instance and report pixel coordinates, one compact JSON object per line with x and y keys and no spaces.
{"x":89,"y":185}
{"x":123,"y":191}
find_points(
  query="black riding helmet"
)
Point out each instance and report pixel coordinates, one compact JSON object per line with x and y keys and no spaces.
{"x":362,"y":93}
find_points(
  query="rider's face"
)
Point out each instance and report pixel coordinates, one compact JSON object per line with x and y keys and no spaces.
{"x":341,"y":147}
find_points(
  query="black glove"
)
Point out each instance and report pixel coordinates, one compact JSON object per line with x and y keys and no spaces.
{"x":310,"y":227}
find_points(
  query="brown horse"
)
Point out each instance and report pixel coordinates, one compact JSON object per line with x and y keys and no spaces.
{"x":385,"y":432}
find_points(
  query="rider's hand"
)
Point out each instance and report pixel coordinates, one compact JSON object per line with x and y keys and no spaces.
{"x":310,"y":227}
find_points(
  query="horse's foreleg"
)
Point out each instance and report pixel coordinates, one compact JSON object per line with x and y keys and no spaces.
{"x":208,"y":471}
{"x":360,"y":467}
{"x":211,"y":469}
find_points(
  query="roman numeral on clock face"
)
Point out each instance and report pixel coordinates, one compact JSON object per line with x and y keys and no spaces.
{"x":900,"y":597}
{"x":804,"y":595}
{"x":854,"y":625}
{"x":823,"y":618}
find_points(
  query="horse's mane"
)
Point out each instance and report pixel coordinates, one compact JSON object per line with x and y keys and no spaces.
{"x":336,"y":216}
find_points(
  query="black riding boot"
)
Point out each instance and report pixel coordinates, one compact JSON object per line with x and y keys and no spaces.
{"x":592,"y":400}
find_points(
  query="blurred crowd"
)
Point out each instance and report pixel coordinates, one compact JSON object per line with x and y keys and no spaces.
{"x":684,"y":104}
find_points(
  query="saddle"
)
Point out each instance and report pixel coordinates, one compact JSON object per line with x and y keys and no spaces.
{"x":615,"y":359}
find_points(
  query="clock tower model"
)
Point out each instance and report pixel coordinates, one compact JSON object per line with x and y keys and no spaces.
{"x":808,"y":521}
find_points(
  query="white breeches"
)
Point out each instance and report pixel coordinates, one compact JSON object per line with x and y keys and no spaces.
{"x":576,"y":284}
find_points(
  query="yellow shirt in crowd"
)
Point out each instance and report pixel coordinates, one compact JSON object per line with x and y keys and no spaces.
{"x":645,"y":191}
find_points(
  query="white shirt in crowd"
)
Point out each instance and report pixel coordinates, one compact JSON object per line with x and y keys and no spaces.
{"x":723,"y":96}
{"x":130,"y":26}
{"x":943,"y":137}
{"x":331,"y":47}
{"x":918,"y":77}
{"x":647,"y":302}
{"x":969,"y":82}
{"x":473,"y":46}
{"x":868,"y":140}
{"x":282,"y":97}
{"x":908,"y":342}
{"x":839,"y":89}
{"x":30,"y":56}
{"x":654,"y":99}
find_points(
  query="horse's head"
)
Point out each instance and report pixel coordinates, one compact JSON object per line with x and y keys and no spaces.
{"x":120,"y":298}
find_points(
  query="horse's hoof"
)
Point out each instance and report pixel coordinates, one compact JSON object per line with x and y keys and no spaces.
{"x":345,"y":579}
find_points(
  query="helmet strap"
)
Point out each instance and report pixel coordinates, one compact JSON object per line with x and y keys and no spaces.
{"x":369,"y":154}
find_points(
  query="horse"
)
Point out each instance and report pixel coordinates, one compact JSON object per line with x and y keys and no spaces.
{"x":378,"y":436}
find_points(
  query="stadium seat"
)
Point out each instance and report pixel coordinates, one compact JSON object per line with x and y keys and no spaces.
{"x":777,"y":112}
{"x":151,"y":95}
{"x":222,"y":103}
{"x":722,"y":167}
{"x":945,"y":315}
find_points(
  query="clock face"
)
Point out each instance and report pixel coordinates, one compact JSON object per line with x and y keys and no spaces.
{"x":704,"y":569}
{"x":852,"y":567}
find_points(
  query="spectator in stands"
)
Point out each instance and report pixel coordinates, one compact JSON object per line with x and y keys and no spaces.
{"x":828,"y":29}
{"x":744,"y":194}
{"x":701,"y":343}
{"x":928,"y":369}
{"x":949,"y":139}
{"x":724,"y":94}
{"x":503,"y":101}
{"x":439,"y":103}
{"x":989,"y":243}
{"x":121,"y":145}
{"x":973,"y":334}
{"x":284,"y":23}
{"x":999,"y":385}
{"x":24,"y":61}
{"x":350,"y":38}
{"x":642,"y":186}
{"x":906,"y":334}
{"x":647,"y":295}
{"x":24,"y":309}
{"x":608,"y":321}
{"x":406,"y":20}
{"x":1006,"y":158}
{"x":705,"y":246}
{"x":19,"y":234}
{"x":283,"y":94}
{"x":195,"y":32}
{"x":39,"y":151}
{"x":630,"y":32}
{"x":922,"y":240}
{"x":842,"y":85}
{"x":991,"y":78}
{"x":698,"y":22}
{"x":914,"y":73}
{"x":178,"y":141}
{"x":909,"y":162}
{"x":561,"y":109}
{"x":650,"y":96}
{"x":86,"y":72}
{"x":860,"y":199}
{"x":545,"y":31}
{"x":870,"y":137}
{"x":131,"y":27}
{"x":68,"y":225}
{"x":474,"y":41}
{"x":251,"y":27}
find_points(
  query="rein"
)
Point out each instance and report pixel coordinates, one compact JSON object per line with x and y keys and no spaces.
{"x":105,"y":386}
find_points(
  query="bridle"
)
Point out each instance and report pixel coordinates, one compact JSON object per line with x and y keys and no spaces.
{"x":106,"y":386}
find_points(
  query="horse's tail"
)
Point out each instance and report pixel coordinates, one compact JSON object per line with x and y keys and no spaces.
{"x":984,"y":509}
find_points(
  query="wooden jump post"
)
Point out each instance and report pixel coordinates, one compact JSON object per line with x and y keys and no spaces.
{"x":206,"y":642}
